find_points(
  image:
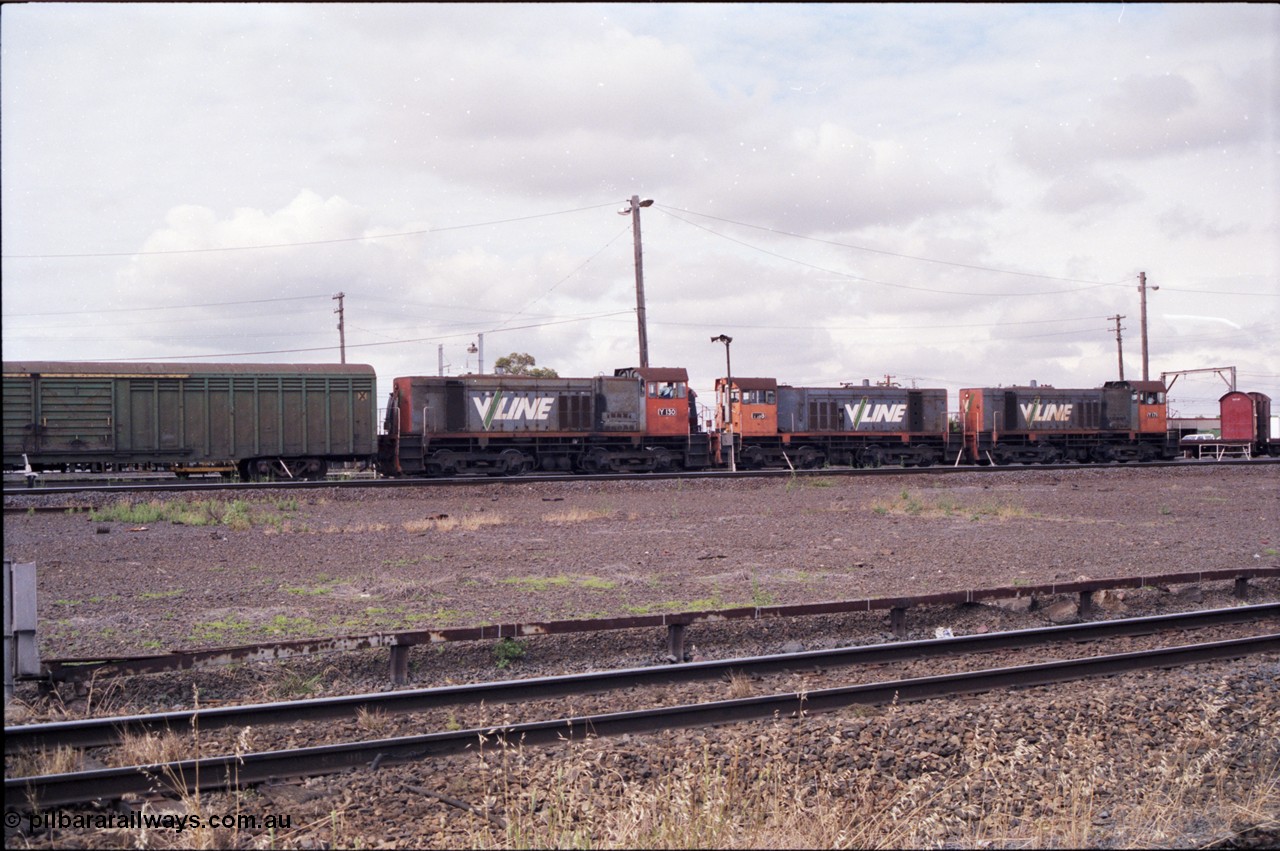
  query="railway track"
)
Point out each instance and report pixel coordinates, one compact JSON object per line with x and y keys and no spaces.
{"x":247,"y":769}
{"x":175,"y":485}
{"x":106,"y":731}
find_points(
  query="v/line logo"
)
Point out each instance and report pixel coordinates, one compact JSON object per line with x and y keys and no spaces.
{"x":502,"y":408}
{"x":866,"y":412}
{"x":1035,"y":412}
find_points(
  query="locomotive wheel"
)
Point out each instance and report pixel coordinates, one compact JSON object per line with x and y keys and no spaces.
{"x":443,"y":463}
{"x":751,"y":457}
{"x":514,"y":462}
{"x":810,"y":458}
{"x":1049,"y":455}
{"x":595,"y":461}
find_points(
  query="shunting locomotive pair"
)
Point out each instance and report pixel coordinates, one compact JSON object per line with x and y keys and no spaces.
{"x":293,"y":421}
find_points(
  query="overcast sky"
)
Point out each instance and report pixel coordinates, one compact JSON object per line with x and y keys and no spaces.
{"x":955,"y":196}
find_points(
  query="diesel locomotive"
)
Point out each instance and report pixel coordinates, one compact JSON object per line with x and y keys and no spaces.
{"x":1121,"y":421}
{"x":774,"y":425}
{"x":641,"y":420}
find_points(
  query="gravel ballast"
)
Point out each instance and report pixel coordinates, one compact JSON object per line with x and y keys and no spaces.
{"x":1006,"y":770}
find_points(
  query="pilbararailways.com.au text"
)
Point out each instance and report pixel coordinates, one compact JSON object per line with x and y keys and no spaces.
{"x":58,"y":820}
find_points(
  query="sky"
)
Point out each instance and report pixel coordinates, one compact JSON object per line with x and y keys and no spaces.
{"x":935,"y":195}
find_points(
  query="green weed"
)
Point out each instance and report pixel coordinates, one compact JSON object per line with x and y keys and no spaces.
{"x":508,"y":650}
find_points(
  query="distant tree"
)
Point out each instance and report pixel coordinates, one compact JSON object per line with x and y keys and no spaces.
{"x":519,"y":363}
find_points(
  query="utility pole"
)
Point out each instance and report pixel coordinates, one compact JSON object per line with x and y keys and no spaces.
{"x":1142,"y":291}
{"x":634,"y":211}
{"x":342,"y":334}
{"x":1119,"y":343}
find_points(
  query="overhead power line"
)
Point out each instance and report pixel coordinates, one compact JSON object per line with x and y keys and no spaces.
{"x":166,"y":307}
{"x":433,"y":339}
{"x":298,"y":244}
{"x":890,"y":253}
{"x":1092,"y":284}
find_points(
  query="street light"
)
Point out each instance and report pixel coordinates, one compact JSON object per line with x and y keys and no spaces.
{"x":728,"y":395}
{"x":634,"y":212}
{"x":1142,"y":292}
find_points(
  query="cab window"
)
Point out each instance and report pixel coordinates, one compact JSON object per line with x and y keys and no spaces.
{"x":666,"y":390}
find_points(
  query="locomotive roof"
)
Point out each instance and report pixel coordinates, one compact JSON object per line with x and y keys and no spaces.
{"x":653,"y":373}
{"x":71,"y":369}
{"x":1145,"y":386}
{"x":751,"y":383}
{"x":1141,"y":386}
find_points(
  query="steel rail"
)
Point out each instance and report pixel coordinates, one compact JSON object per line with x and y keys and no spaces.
{"x":238,"y":770}
{"x":80,"y":669}
{"x":709,"y":475}
{"x":95,"y":732}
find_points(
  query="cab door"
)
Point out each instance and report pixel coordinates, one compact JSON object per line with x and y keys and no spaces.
{"x":666,"y":407}
{"x":1152,"y":412}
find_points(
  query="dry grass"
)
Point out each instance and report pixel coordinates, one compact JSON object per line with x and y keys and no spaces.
{"x":374,"y":722}
{"x":446,"y":523}
{"x":1197,"y":782}
{"x":61,"y":760}
{"x":149,"y":749}
{"x":740,"y":686}
{"x":358,"y":529}
{"x":948,"y":506}
{"x":579,"y":515}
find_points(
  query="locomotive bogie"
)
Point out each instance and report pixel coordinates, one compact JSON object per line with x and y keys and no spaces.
{"x":269,"y":420}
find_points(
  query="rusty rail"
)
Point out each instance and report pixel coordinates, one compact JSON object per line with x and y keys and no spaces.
{"x":242,"y":770}
{"x":399,"y":643}
{"x":96,"y":732}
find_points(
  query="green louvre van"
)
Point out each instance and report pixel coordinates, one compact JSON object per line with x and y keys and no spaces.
{"x":286,"y":421}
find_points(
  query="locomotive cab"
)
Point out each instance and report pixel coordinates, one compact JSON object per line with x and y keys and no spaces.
{"x":1147,"y":405}
{"x":666,"y":398}
{"x":751,"y":407}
